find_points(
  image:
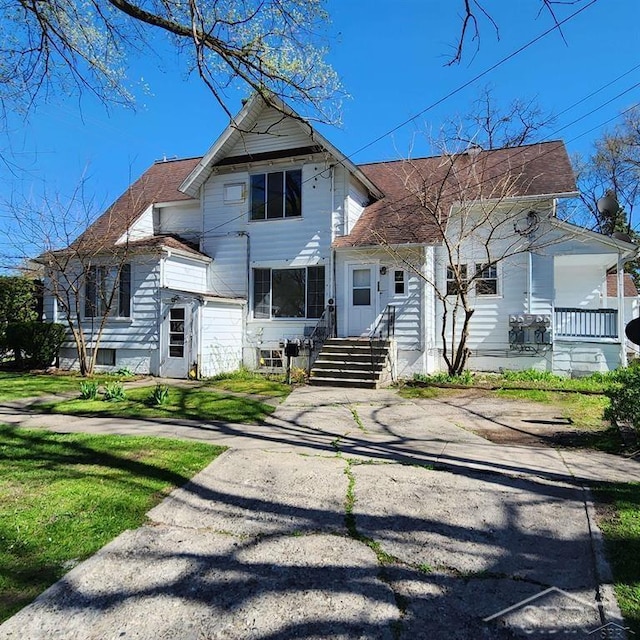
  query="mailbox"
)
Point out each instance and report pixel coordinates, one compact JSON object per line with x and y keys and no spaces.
{"x":292,"y":349}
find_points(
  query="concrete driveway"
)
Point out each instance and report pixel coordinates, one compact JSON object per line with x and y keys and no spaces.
{"x":351,"y":514}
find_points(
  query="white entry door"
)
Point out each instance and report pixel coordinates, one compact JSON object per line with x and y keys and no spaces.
{"x":177,"y":342}
{"x":362,"y":304}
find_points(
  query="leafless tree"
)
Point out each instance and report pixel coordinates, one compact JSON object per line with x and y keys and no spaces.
{"x":477,"y":14}
{"x":64,"y":46}
{"x":85,"y":271}
{"x":489,"y":125}
{"x":467,"y":201}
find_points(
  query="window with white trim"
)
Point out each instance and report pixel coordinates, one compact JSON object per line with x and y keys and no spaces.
{"x":108,"y":290}
{"x":486,"y":279}
{"x":400,"y":282}
{"x":271,"y":358}
{"x":456,"y":282}
{"x":276,"y":195}
{"x":288,"y":293}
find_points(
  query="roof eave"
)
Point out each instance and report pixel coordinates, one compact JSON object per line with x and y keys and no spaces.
{"x":621,"y":246}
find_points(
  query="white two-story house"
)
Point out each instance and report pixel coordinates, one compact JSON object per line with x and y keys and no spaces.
{"x":276,"y":237}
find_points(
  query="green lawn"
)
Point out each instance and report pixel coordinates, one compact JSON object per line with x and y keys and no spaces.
{"x":62,"y":497}
{"x":619,"y":520}
{"x":25,"y":385}
{"x":193,"y":403}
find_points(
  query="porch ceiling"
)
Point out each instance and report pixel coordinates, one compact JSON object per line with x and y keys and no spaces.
{"x":604,"y":260}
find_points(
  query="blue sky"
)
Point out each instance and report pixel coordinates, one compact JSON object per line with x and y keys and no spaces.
{"x":391,"y":58}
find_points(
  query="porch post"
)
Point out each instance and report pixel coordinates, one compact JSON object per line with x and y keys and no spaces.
{"x":621,"y":319}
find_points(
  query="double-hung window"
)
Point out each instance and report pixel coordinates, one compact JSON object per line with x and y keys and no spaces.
{"x":276,"y":195}
{"x":456,"y":280}
{"x":288,"y":293}
{"x":107,"y":291}
{"x":400,"y":282}
{"x":486,"y":280}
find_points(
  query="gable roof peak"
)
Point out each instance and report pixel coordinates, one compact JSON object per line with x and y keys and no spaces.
{"x":243,"y":122}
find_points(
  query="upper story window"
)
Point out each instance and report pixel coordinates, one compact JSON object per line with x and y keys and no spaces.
{"x":486,"y":280}
{"x":276,"y":195}
{"x":106,"y":291}
{"x":456,"y":281}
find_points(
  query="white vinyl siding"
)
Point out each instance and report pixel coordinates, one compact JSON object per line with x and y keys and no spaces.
{"x":230,"y":238}
{"x":183,"y":220}
{"x":185,"y":274}
{"x":356,"y":201}
{"x":141,"y":330}
{"x":140,"y":228}
{"x":221,"y":339}
{"x":273,"y":132}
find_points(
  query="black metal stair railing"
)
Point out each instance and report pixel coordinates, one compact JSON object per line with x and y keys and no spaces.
{"x":325,"y":328}
{"x":384,"y":329}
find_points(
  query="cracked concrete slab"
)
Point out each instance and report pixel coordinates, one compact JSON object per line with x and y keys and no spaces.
{"x":260,"y":493}
{"x":441,"y":606}
{"x":257,"y":545}
{"x":470,"y":525}
{"x":167,"y":583}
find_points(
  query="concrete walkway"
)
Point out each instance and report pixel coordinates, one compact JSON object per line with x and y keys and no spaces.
{"x":349,"y":514}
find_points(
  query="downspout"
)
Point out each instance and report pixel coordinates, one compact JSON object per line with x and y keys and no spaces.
{"x":245,"y":316}
{"x":529,"y":282}
{"x":332,"y":257}
{"x":425,"y":339}
{"x":200,"y":341}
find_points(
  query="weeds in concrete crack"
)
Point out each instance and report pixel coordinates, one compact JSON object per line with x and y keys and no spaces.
{"x":382,"y":556}
{"x":356,"y":418}
{"x":350,"y":521}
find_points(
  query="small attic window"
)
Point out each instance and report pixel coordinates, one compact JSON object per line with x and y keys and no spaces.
{"x":234,"y":192}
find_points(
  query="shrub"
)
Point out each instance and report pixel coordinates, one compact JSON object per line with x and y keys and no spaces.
{"x":159,"y":395}
{"x":17,"y":304}
{"x":114,"y":392}
{"x":88,"y":390}
{"x":624,"y":397}
{"x":36,"y":342}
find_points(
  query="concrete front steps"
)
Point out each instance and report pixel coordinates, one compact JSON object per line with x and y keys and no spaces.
{"x":351,"y":362}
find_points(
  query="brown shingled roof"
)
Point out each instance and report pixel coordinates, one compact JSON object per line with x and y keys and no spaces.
{"x":165,"y":241}
{"x":439,"y":182}
{"x":159,"y":183}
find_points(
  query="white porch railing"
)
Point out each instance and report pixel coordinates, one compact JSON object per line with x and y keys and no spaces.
{"x":585,"y":323}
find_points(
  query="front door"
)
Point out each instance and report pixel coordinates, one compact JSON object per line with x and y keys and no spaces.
{"x":177,"y":342}
{"x":362,"y":305}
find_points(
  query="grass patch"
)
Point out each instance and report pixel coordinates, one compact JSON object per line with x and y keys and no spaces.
{"x":193,"y":403}
{"x":527,"y":379}
{"x":619,"y":520}
{"x":253,"y":383}
{"x":584,"y":411}
{"x":14,"y":386}
{"x":62,"y":497}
